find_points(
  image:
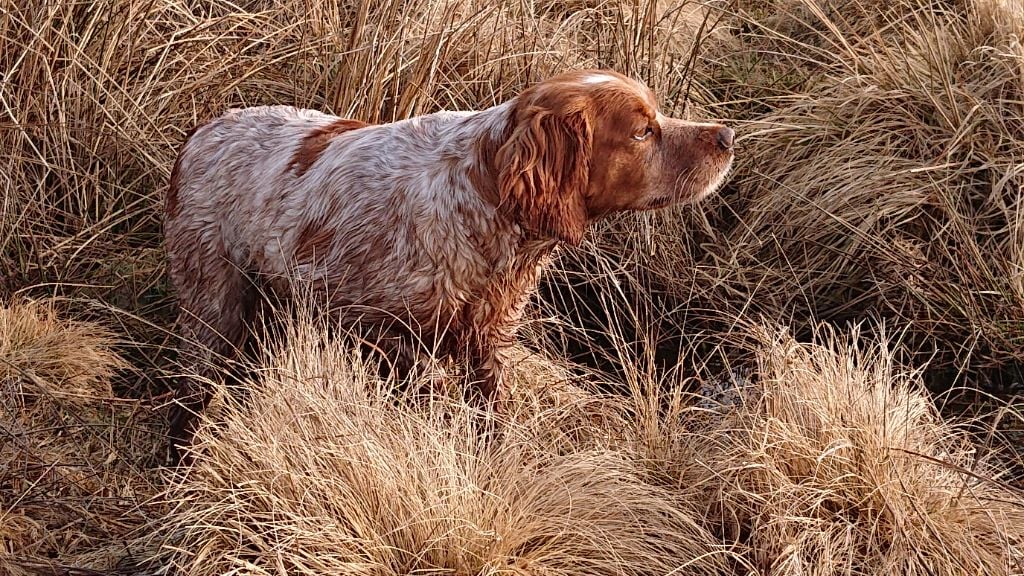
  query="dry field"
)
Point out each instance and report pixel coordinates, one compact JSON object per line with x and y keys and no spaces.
{"x":818,"y":372}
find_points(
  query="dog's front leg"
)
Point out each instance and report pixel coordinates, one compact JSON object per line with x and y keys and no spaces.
{"x":487,"y":374}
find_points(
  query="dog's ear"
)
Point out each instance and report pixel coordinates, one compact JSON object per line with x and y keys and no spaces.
{"x":544,"y":169}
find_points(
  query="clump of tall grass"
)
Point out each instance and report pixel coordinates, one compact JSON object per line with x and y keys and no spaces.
{"x":61,"y":358}
{"x":324,"y":468}
{"x":830,"y":459}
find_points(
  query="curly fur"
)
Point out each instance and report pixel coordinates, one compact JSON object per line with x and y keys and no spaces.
{"x":432,"y":229}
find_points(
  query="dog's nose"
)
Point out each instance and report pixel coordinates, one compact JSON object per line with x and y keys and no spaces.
{"x":724,"y":137}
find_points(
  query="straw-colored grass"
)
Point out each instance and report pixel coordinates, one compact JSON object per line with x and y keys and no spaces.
{"x":918,"y":217}
{"x":879,"y":175}
{"x":829,"y":459}
{"x":322,"y":469}
{"x":65,"y":359}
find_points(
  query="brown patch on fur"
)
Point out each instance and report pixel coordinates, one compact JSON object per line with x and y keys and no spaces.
{"x":484,"y":174}
{"x":545,"y":165}
{"x":314,"y":144}
{"x":171,"y":205}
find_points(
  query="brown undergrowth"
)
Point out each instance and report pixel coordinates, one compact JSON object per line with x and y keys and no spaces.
{"x":878,"y":179}
{"x":75,"y":461}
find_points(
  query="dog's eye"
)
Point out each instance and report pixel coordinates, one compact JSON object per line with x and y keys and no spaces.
{"x":643,"y":135}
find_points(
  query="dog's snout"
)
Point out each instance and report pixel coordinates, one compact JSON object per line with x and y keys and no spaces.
{"x":724,"y":137}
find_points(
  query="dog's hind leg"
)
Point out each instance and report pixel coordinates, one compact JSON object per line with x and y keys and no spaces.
{"x":218,"y":303}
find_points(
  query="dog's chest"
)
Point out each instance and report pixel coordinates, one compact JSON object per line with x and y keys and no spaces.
{"x":467,"y":260}
{"x":425,"y":264}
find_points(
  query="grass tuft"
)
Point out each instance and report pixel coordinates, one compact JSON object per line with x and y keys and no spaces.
{"x":829,"y":459}
{"x":322,"y":469}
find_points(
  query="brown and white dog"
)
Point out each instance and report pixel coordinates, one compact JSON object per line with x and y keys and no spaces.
{"x":432,"y":229}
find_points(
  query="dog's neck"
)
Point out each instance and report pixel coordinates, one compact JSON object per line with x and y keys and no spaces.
{"x":476,"y":139}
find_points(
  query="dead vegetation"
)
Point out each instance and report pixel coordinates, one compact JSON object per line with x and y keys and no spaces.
{"x":830,"y":459}
{"x":879,"y":176}
{"x":74,"y":460}
{"x":323,"y":470}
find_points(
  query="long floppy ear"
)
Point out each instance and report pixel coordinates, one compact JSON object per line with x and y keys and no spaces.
{"x":544,"y":168}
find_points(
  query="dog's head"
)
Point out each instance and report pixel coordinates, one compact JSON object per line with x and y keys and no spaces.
{"x":587,"y":144}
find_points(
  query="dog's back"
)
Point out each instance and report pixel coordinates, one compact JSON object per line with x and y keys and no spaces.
{"x":296,"y":193}
{"x":441,"y":221}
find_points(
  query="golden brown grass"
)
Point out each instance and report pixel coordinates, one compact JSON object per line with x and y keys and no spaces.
{"x":323,"y":470}
{"x":918,"y":217}
{"x":64,"y":359}
{"x":878,"y":176}
{"x":830,"y":459}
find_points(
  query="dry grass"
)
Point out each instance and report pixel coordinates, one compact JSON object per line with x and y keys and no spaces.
{"x":64,"y":359}
{"x":918,"y":218}
{"x":879,"y":176}
{"x":322,"y":470}
{"x":825,"y":459}
{"x":830,"y":459}
{"x":73,"y":459}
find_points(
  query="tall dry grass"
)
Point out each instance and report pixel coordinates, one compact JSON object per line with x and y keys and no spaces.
{"x":878,"y":176}
{"x":827,"y":459}
{"x":325,"y":469}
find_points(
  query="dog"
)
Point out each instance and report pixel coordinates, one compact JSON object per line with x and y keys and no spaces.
{"x":431,"y":229}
